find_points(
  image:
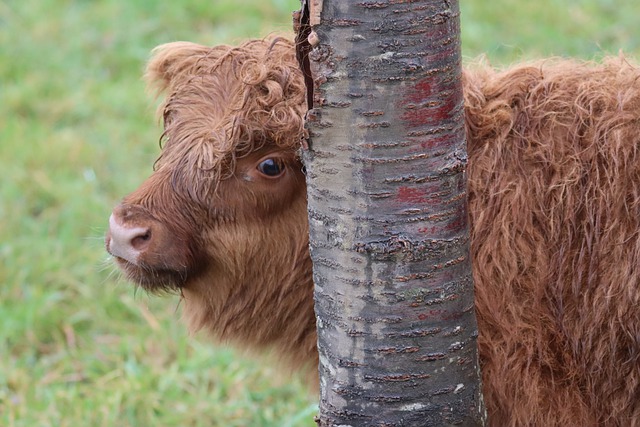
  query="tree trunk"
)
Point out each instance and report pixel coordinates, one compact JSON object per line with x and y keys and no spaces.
{"x":386,"y":173}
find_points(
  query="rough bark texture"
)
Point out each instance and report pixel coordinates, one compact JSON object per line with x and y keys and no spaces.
{"x":388,"y":214}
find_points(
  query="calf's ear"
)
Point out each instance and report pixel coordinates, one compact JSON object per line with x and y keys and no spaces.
{"x":172,"y":61}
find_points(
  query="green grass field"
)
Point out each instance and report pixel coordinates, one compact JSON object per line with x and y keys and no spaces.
{"x":77,"y":346}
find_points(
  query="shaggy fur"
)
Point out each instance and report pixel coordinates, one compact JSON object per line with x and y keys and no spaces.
{"x":554,"y":205}
{"x":554,"y":182}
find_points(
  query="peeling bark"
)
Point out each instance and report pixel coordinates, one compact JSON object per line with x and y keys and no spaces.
{"x":386,"y":162}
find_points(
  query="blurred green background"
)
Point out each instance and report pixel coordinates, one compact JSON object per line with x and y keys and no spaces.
{"x":77,"y":132}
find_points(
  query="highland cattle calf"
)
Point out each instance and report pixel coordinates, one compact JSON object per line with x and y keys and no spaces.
{"x":554,"y":193}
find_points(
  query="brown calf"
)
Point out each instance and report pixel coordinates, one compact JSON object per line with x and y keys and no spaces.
{"x":554,"y":192}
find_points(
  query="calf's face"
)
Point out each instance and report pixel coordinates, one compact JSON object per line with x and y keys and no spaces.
{"x":224,"y":209}
{"x":162,"y":238}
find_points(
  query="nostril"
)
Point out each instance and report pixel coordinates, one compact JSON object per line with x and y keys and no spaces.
{"x":126,"y":241}
{"x":142,"y":240}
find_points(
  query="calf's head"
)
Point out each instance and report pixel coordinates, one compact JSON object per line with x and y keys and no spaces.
{"x":222,"y":219}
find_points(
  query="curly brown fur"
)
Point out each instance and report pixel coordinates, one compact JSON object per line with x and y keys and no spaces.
{"x":554,"y":183}
{"x":245,"y":97}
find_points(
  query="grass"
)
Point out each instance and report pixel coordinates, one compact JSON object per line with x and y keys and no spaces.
{"x":77,"y":346}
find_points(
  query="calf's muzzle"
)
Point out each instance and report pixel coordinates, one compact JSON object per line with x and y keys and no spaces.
{"x":149,"y":251}
{"x":127,"y":242}
{"x":130,"y":233}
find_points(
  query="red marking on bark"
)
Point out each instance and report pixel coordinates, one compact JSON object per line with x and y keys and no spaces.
{"x":437,"y":142}
{"x":411,"y":195}
{"x":442,"y":227}
{"x":454,"y":223}
{"x":427,"y":230}
{"x":458,"y":222}
{"x":430,"y":101}
{"x":431,"y":314}
{"x":423,"y":89}
{"x":430,"y":114}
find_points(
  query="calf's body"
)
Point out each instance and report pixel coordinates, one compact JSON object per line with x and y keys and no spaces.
{"x":554,"y":183}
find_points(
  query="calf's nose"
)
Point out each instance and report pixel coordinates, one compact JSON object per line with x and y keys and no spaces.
{"x":127,"y":242}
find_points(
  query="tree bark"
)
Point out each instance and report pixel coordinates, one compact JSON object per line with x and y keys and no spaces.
{"x":386,"y":174}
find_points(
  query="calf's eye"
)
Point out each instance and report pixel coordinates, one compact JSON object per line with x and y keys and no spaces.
{"x":271,"y":167}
